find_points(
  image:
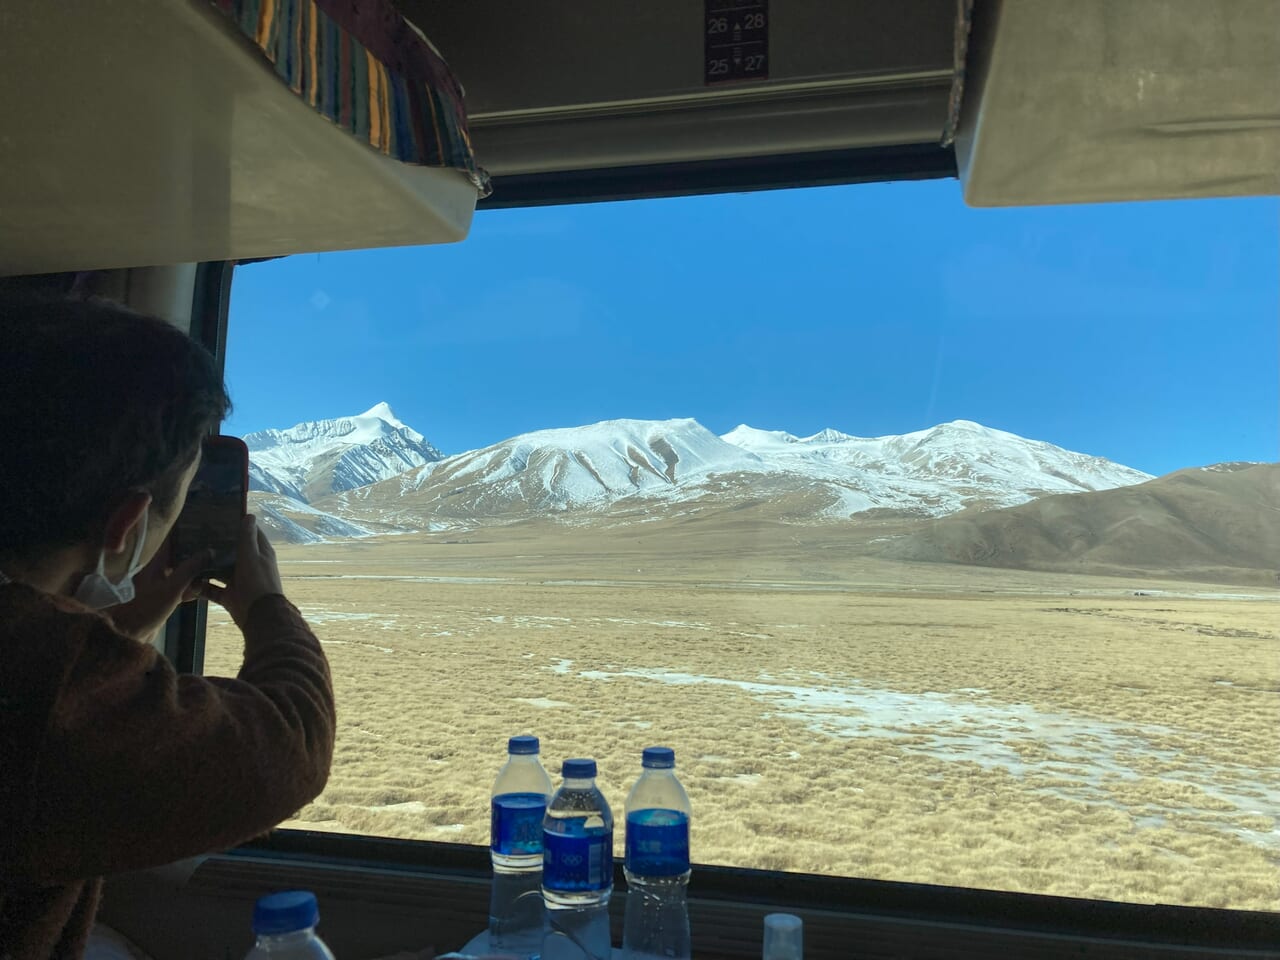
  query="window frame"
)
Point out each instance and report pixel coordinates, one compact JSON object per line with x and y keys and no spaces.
{"x":184,"y":634}
{"x":888,"y":919}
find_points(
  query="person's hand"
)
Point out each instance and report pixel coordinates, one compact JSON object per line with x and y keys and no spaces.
{"x":255,"y":575}
{"x":157,"y":591}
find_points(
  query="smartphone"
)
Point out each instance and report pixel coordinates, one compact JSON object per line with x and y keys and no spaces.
{"x":215,"y":506}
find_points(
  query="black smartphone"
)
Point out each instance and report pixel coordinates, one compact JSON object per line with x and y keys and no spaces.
{"x":215,"y":506}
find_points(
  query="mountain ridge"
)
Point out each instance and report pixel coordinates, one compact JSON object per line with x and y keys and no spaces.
{"x":954,"y":493}
{"x":316,"y":458}
{"x":1219,"y":522}
{"x":666,"y":463}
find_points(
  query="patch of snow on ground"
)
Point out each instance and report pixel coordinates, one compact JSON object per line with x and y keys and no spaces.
{"x":410,"y":806}
{"x":1088,"y":753}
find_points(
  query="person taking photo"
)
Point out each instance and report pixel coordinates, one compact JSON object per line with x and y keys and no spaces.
{"x":109,"y":759}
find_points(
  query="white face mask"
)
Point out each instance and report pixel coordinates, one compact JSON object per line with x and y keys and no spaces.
{"x":98,"y":592}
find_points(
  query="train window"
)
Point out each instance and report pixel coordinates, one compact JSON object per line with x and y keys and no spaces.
{"x":941,"y":544}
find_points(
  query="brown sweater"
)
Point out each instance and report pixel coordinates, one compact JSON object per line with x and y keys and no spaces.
{"x":111,"y":761}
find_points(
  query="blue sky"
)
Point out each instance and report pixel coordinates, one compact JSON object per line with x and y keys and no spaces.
{"x":1144,"y":332}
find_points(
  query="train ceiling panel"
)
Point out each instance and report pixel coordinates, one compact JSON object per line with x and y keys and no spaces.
{"x":570,"y":85}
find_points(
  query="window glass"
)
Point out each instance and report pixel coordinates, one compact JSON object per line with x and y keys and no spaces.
{"x":941,"y":544}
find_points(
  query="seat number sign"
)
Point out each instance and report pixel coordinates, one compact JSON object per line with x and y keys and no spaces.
{"x":737,"y":40}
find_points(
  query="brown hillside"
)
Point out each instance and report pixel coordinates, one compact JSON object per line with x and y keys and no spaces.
{"x":1217,"y":523}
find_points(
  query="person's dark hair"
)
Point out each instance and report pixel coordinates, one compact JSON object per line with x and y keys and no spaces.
{"x":96,"y":401}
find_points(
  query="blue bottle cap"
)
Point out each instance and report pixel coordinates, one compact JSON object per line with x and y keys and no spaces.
{"x":578,"y":770}
{"x":658,"y":758}
{"x":522,"y":745}
{"x":285,"y":912}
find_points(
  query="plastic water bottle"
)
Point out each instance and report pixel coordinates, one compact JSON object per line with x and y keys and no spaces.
{"x":657,"y":861}
{"x":577,"y":867}
{"x":783,"y":937}
{"x":285,"y":925}
{"x":520,"y":796}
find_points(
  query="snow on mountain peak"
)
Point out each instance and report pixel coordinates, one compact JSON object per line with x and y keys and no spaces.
{"x":828,"y":435}
{"x":377,"y":422}
{"x":323,"y":456}
{"x":382,"y":411}
{"x":682,"y":443}
{"x":751,"y":438}
{"x":946,"y":465}
{"x":564,"y":468}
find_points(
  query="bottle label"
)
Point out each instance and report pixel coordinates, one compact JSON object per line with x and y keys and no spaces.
{"x":657,"y":842}
{"x":515,"y":823}
{"x":573,"y":863}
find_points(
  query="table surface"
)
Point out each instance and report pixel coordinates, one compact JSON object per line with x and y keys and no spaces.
{"x":479,"y":946}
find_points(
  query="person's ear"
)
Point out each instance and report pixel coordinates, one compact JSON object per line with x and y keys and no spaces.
{"x":123,"y":519}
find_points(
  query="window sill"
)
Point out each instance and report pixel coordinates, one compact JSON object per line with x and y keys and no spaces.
{"x":382,"y":895}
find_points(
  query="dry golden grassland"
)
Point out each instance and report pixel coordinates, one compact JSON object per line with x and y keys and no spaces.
{"x":1009,"y":730}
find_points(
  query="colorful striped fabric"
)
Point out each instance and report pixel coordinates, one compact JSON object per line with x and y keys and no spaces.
{"x":366,"y":68}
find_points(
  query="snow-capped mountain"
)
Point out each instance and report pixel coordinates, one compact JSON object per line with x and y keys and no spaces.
{"x":648,"y":464}
{"x":943,"y":469}
{"x":555,"y":471}
{"x":321,"y":457}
